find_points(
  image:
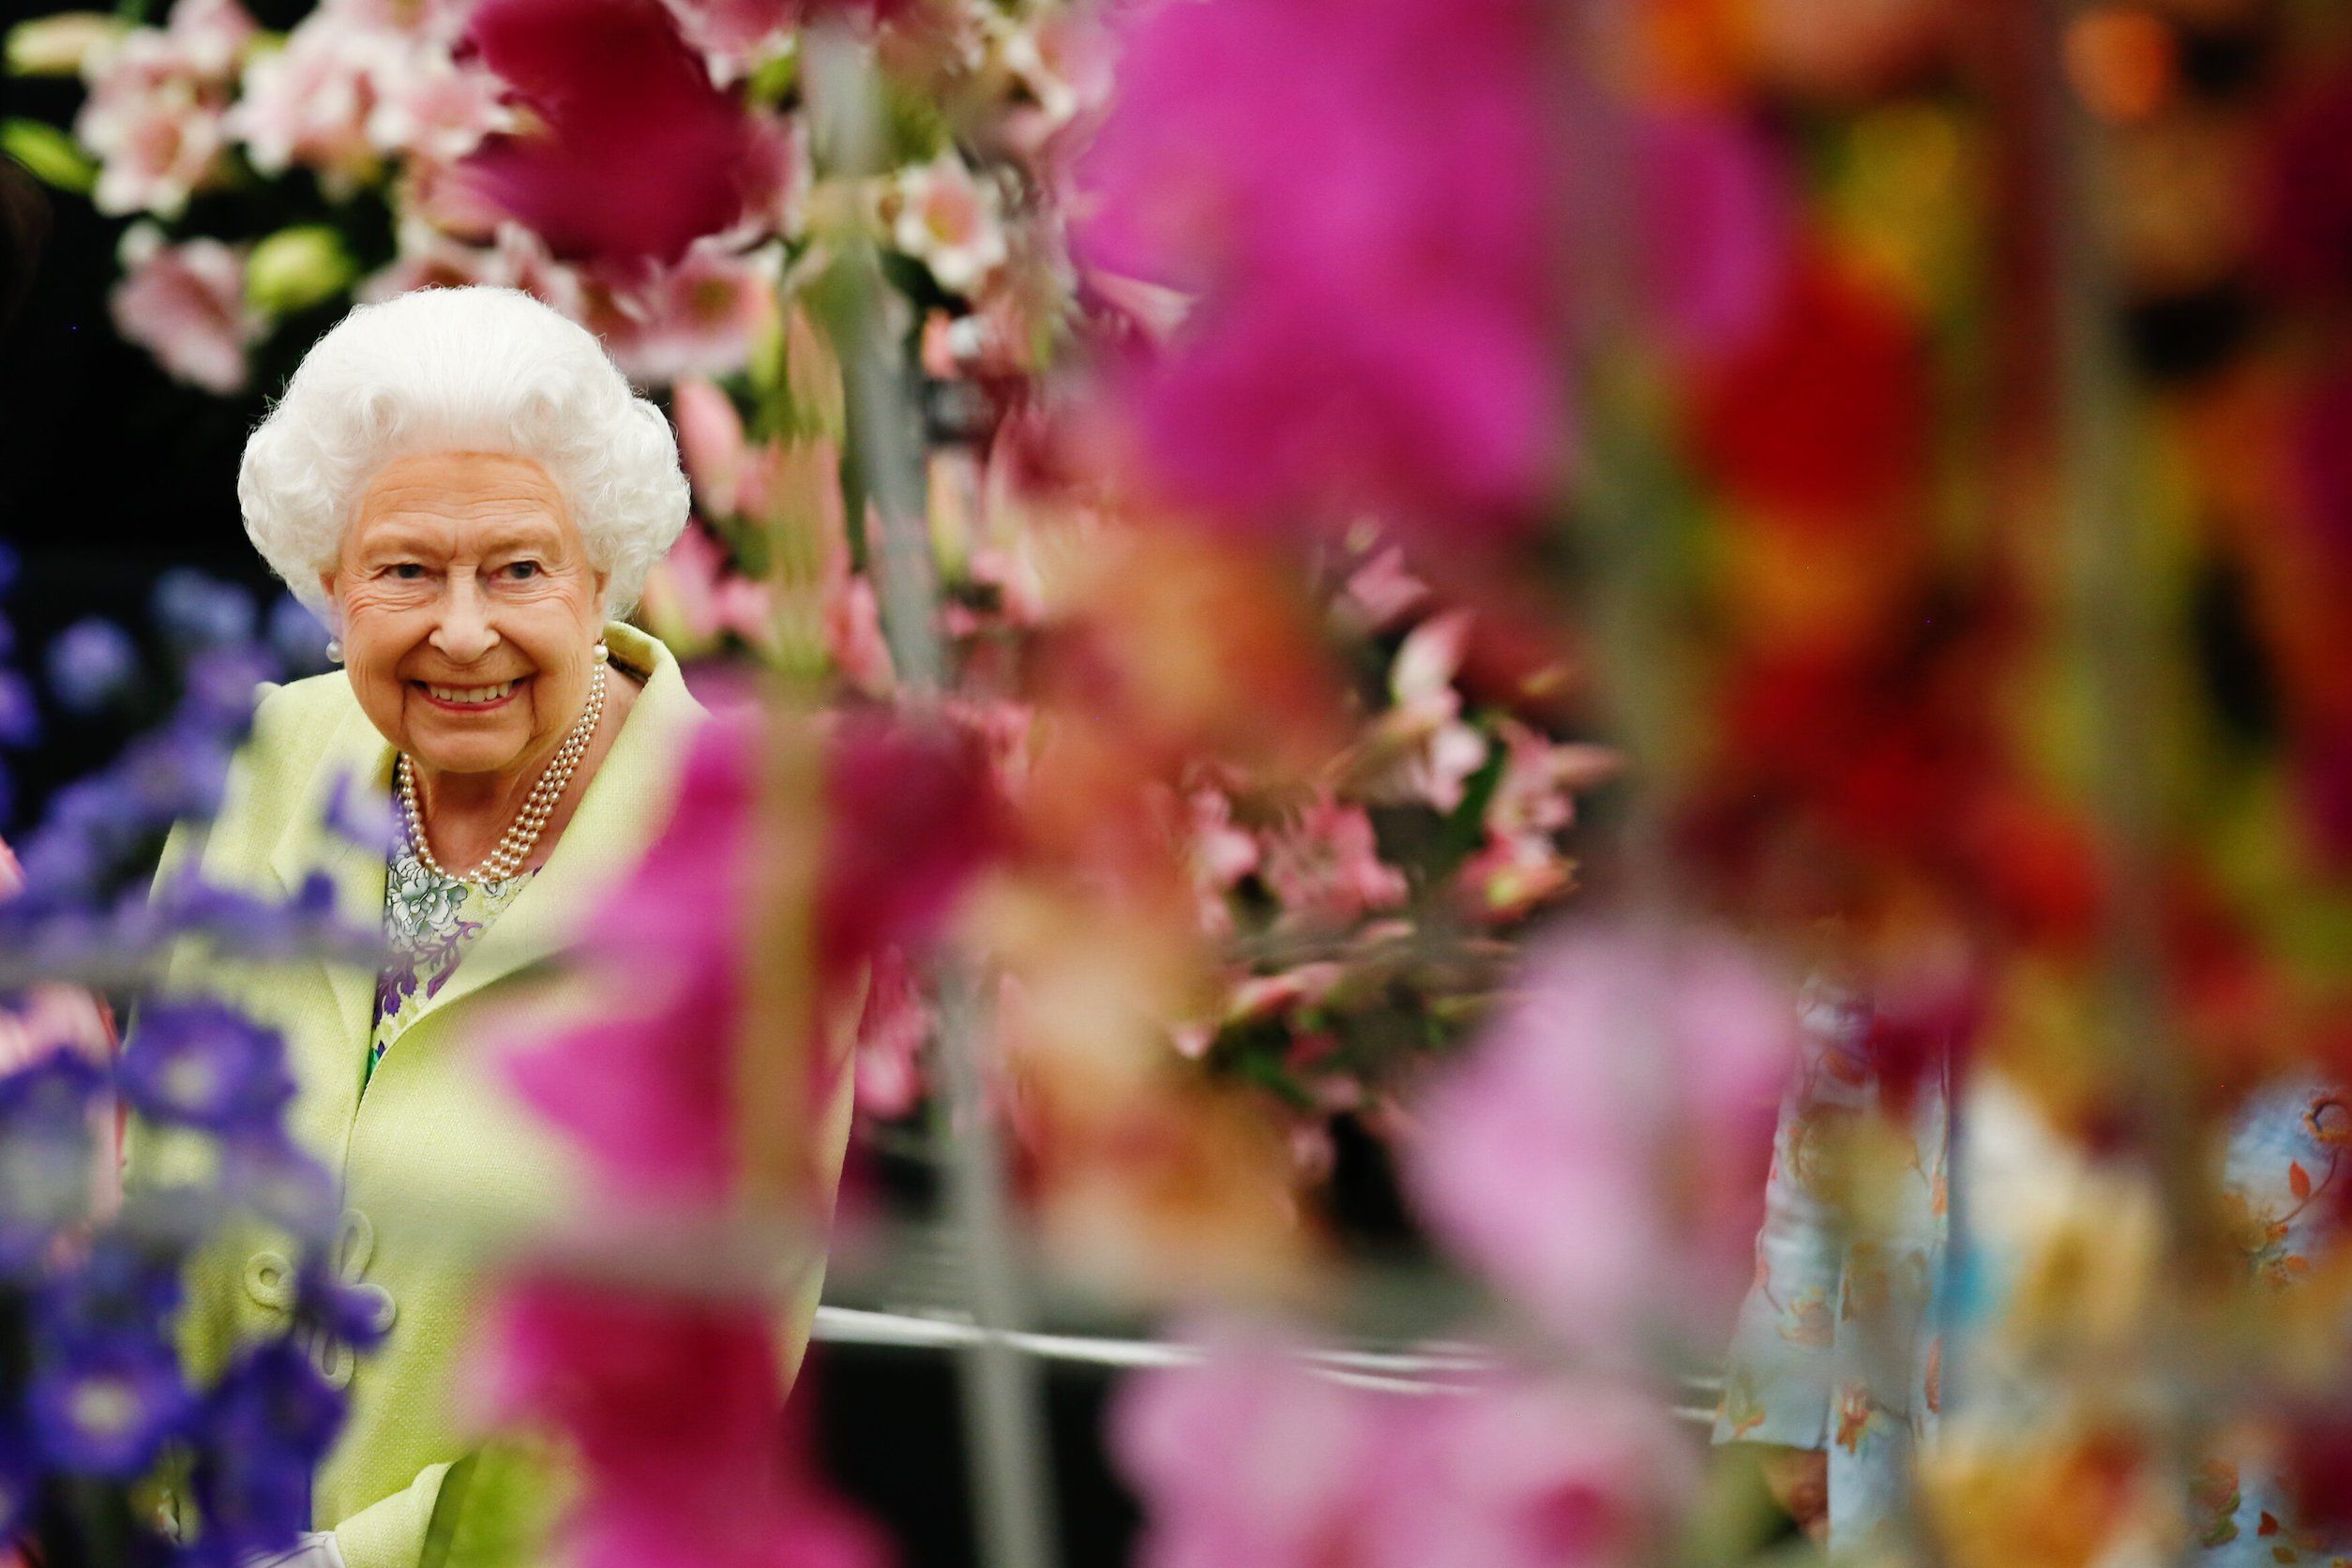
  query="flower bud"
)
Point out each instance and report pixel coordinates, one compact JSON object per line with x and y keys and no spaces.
{"x":295,"y":268}
{"x":58,"y":45}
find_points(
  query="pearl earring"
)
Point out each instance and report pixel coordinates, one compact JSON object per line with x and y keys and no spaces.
{"x":334,"y":651}
{"x":603,"y":653}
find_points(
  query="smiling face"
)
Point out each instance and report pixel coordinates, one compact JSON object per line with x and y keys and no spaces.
{"x":469,"y":611}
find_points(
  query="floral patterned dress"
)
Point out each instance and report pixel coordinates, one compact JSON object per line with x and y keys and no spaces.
{"x":1840,"y":1345}
{"x":430,"y":920}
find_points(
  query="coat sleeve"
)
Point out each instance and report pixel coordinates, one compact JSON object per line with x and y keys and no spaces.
{"x":1781,"y":1369}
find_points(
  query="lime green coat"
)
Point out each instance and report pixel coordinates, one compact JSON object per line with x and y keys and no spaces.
{"x":437,"y":1154}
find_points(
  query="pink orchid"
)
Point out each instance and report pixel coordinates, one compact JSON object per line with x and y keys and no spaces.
{"x":1218,"y":855}
{"x":674,"y":1409}
{"x":1254,"y":1458}
{"x":634,"y":154}
{"x":1324,"y":865}
{"x":1600,"y":1153}
{"x":186,"y":305}
{"x":157,"y":104}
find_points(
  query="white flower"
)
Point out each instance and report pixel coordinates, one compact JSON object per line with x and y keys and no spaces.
{"x":947,"y":220}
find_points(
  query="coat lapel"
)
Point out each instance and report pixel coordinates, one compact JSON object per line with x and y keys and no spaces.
{"x":625,"y":805}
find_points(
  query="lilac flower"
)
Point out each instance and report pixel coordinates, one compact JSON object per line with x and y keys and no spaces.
{"x":202,"y":1064}
{"x":91,"y":663}
{"x":264,"y":1428}
{"x":282,"y":1184}
{"x":20,"y":720}
{"x":119,"y":1287}
{"x":199,"y":612}
{"x":362,"y":815}
{"x":46,"y":1150}
{"x":18,"y":1479}
{"x":297,"y":637}
{"x":104,"y":1408}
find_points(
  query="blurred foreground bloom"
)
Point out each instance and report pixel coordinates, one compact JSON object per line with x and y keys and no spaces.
{"x":1376,"y":253}
{"x":632,"y":153}
{"x":653,"y":1089}
{"x":1600,"y":1154}
{"x":672,"y":1407}
{"x":1254,"y":1458}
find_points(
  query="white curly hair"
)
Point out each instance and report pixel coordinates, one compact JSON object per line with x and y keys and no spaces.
{"x":472,"y":369}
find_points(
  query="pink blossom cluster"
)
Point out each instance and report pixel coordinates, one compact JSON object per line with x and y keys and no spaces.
{"x":156,"y":116}
{"x":1258,"y":1458}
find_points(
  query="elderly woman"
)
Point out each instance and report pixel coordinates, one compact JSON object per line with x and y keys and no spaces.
{"x":468,"y":493}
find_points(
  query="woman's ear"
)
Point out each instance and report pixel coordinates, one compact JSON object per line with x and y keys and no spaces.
{"x":334,"y":612}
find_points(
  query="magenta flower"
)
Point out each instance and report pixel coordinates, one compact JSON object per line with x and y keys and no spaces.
{"x":1364,"y":200}
{"x":650,"y":1086}
{"x":1254,"y":1458}
{"x":1600,"y":1154}
{"x":634,"y":154}
{"x":676,"y":1411}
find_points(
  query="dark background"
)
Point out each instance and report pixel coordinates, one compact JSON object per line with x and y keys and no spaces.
{"x":112,"y":474}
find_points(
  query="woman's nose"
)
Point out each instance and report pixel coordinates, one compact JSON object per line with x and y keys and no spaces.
{"x":463,"y":632}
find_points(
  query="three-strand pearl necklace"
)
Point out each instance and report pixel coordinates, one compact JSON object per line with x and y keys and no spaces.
{"x":523,"y":835}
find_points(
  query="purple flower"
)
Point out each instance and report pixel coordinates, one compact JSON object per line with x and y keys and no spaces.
{"x":297,"y":637}
{"x":118,"y":1288}
{"x":205,"y":1064}
{"x":92,"y":663}
{"x":196,"y":611}
{"x":282,"y":1184}
{"x":264,"y":1428}
{"x":103,"y":1408}
{"x":46,"y":1150}
{"x":20,"y":719}
{"x":19,"y":1477}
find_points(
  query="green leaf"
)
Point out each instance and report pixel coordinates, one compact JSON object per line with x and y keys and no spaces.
{"x":48,"y":155}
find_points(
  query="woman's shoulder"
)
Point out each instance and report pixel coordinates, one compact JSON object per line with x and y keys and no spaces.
{"x":297,"y":726}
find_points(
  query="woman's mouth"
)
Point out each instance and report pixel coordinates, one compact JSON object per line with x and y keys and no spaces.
{"x":469,"y":699}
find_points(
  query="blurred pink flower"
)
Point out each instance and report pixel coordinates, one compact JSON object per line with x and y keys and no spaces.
{"x":1375,"y":248}
{"x":1253,"y":1458}
{"x":1600,"y":1154}
{"x":710,"y":441}
{"x":650,"y":1086}
{"x":694,"y":597}
{"x":155,"y":118}
{"x":1218,"y":855}
{"x":1324,"y":865}
{"x":634,"y":154}
{"x":350,"y":87}
{"x":698,"y":316}
{"x":186,"y":305}
{"x":674,"y":1409}
{"x":892,"y":1031}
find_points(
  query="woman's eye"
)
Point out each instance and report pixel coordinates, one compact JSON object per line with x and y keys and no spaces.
{"x":407,"y":571}
{"x":522,"y":571}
